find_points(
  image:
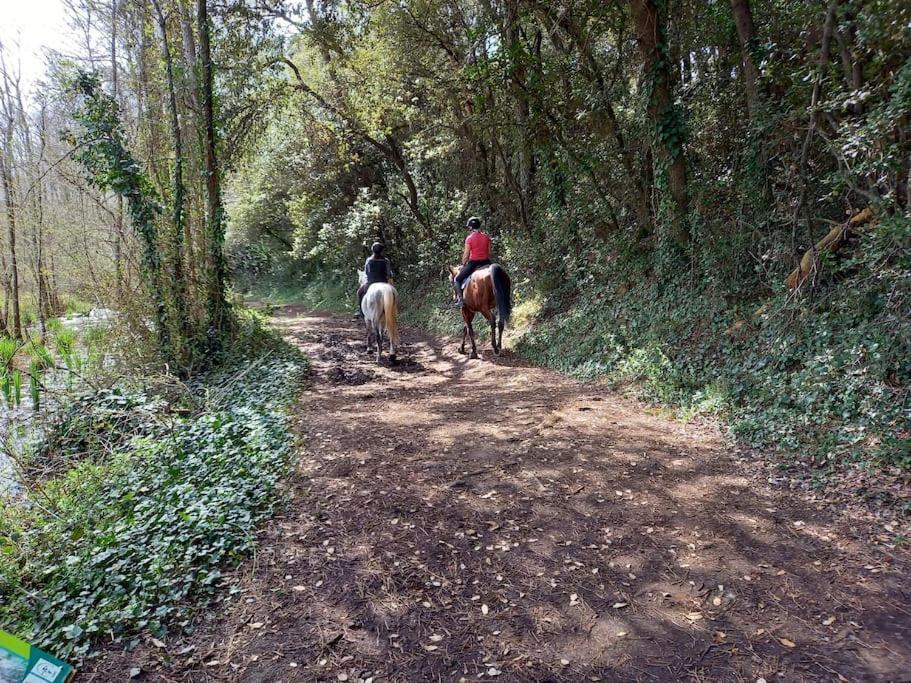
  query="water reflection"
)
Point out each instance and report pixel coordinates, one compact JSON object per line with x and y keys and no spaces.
{"x":20,"y":426}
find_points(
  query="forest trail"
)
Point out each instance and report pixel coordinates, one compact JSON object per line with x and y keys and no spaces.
{"x":485,"y":519}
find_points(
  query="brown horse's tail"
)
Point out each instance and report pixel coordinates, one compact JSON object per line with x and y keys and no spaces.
{"x":502,"y":291}
{"x":389,"y":309}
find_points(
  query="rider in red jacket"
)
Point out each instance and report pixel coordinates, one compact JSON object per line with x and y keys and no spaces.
{"x":476,"y":255}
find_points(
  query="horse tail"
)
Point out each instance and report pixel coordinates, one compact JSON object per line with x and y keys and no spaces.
{"x":502,"y":291}
{"x":389,"y":309}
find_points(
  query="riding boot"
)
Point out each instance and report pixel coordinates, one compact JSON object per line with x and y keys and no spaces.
{"x":459,"y":302}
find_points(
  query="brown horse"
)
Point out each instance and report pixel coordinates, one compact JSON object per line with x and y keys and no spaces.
{"x":488,"y":292}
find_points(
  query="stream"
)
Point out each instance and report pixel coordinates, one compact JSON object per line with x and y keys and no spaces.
{"x":21,"y":424}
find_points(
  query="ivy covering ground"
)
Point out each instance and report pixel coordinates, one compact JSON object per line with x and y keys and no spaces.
{"x":134,"y":540}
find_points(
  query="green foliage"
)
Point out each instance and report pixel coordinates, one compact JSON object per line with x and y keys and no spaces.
{"x":10,"y":377}
{"x":65,"y":345}
{"x":133,"y":538}
{"x":40,"y":361}
{"x":8,"y":349}
{"x":830,"y":378}
{"x":401,"y":122}
{"x":101,"y":148}
{"x":11,"y":386}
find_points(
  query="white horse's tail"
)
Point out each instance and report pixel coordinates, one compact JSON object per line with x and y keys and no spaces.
{"x":389,"y":308}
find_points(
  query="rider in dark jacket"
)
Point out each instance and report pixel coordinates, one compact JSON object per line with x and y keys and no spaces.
{"x":377,"y":269}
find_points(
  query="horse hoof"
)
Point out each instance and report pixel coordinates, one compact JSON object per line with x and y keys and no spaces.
{"x":393,"y":359}
{"x":463,"y":351}
{"x":474,"y":356}
{"x":496,"y":352}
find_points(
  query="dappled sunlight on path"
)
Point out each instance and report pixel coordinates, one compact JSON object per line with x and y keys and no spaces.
{"x":485,"y":519}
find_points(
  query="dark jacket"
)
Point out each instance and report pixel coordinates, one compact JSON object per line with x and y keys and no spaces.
{"x":378,"y":270}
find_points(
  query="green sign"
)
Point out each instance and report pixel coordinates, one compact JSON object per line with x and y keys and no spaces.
{"x":22,"y":663}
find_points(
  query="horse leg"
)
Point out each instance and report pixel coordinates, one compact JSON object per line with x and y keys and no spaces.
{"x":464,"y":337}
{"x":367,"y":328}
{"x":393,"y":350}
{"x":379,"y":344}
{"x":492,"y":319}
{"x":474,"y":347}
{"x":501,"y":324}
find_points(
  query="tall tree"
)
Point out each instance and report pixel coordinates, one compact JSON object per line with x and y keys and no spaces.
{"x":118,"y":214}
{"x":527,"y":158}
{"x":215,"y":219}
{"x":178,"y":276}
{"x":746,"y":35}
{"x":610,"y":122}
{"x":825,"y":44}
{"x":669,"y":130}
{"x":7,"y":184}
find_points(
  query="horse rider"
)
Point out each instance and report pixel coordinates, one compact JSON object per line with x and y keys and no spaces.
{"x":476,"y":255}
{"x":378,"y":269}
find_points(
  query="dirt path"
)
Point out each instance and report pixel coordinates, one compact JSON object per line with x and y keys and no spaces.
{"x":456,"y":519}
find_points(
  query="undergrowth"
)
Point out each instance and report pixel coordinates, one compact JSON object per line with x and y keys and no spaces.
{"x":826,"y":376}
{"x":137,"y":537}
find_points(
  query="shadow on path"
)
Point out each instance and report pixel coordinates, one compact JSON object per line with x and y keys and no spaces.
{"x":454,"y":519}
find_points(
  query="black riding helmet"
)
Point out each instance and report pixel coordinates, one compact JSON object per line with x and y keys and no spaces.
{"x":377,"y":248}
{"x":474,"y":223}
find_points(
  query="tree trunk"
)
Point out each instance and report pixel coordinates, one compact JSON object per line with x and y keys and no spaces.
{"x":178,"y":276}
{"x":195,"y":256}
{"x":746,"y":34}
{"x":52,"y":289}
{"x":118,"y":215}
{"x":38,"y":234}
{"x":4,"y":314}
{"x":6,"y":181}
{"x":215,"y":227}
{"x":5,"y":283}
{"x":666,"y":119}
{"x":33,"y":162}
{"x":518,"y":87}
{"x":7,"y":184}
{"x":854,"y":68}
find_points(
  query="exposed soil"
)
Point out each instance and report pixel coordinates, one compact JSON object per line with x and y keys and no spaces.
{"x":453,"y":519}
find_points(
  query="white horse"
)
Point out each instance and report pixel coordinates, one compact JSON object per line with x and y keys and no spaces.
{"x":380,"y":309}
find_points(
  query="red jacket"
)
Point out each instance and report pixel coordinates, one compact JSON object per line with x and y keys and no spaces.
{"x":478,"y":244}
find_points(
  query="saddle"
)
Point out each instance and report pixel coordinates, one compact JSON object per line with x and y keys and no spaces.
{"x":475,"y":274}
